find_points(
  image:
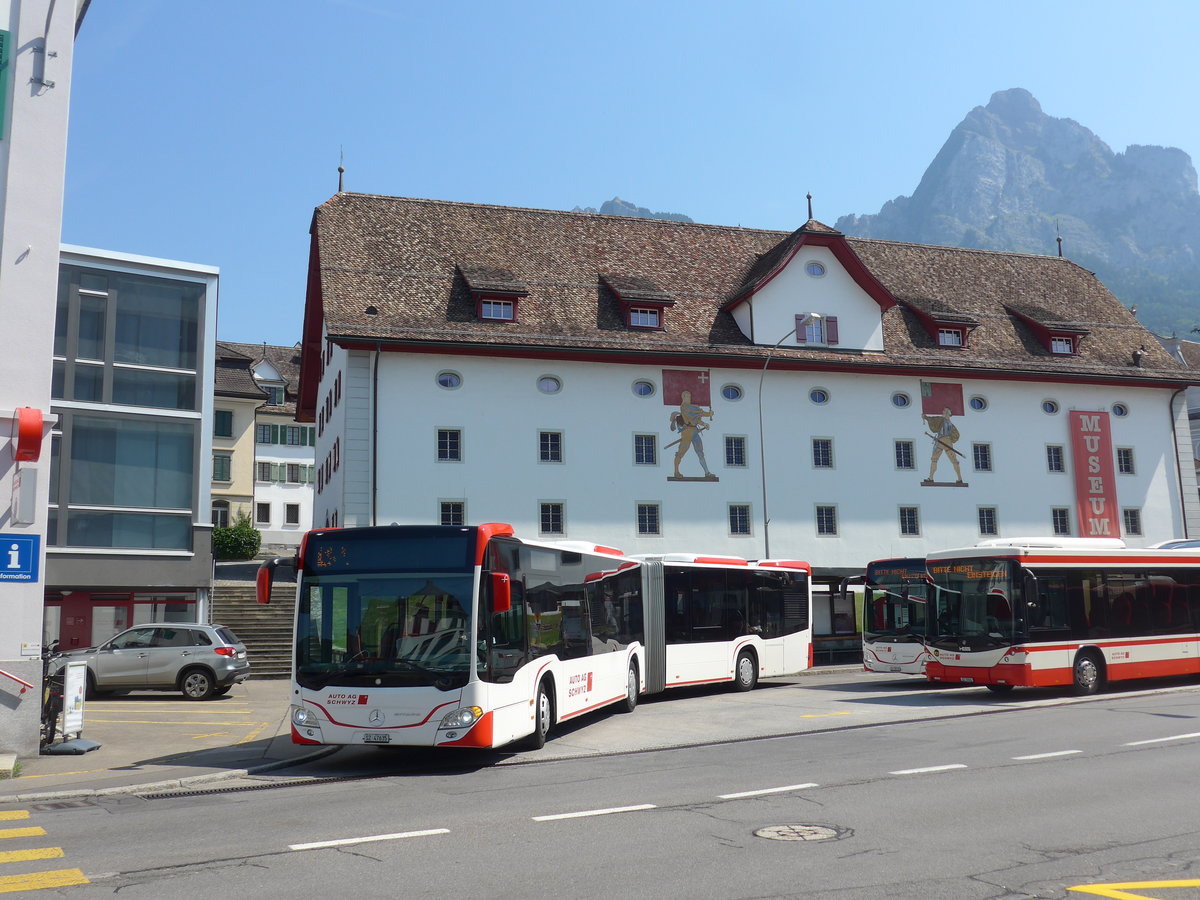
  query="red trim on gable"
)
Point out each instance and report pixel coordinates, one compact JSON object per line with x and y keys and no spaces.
{"x":311,"y":340}
{"x":844,"y":254}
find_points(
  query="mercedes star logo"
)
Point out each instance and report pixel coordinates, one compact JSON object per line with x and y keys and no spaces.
{"x":376,"y":716}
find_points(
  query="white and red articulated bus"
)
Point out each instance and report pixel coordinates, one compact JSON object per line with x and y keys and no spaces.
{"x":1062,"y":611}
{"x":469,"y":636}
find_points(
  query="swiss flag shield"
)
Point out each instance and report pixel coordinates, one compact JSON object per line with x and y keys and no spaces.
{"x":676,"y":381}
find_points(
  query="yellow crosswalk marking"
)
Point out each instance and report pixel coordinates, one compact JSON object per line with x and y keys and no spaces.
{"x":1121,"y":891}
{"x":7,"y":856}
{"x":21,"y":832}
{"x":10,"y":815}
{"x":39,"y":881}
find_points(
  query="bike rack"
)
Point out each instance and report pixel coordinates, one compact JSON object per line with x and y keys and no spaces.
{"x":25,"y":685}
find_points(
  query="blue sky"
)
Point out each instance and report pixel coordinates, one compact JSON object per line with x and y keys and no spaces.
{"x":208,"y":130}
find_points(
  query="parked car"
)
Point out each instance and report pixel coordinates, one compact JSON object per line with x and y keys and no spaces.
{"x":201,"y":661}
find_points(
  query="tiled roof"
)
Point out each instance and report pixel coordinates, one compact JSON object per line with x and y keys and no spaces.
{"x":232,"y":376}
{"x":285,"y":360}
{"x":401,"y":255}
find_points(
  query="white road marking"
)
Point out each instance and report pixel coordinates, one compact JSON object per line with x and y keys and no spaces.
{"x":1176,"y":737}
{"x":928,"y":769}
{"x":776,"y":790}
{"x":1048,"y":755}
{"x":345,"y":842}
{"x":594,"y":812}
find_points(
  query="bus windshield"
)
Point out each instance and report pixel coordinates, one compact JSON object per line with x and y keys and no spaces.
{"x":974,"y":602}
{"x":895,"y":601}
{"x":377,"y":611}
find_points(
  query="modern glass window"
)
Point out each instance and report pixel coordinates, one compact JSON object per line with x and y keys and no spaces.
{"x":987,"y":520}
{"x":1133,"y":521}
{"x":648,"y":521}
{"x":550,"y":518}
{"x":1125,"y":460}
{"x":910,"y":521}
{"x":262,"y":434}
{"x":449,"y":445}
{"x":950,"y":337}
{"x":1060,"y":520}
{"x":645,"y":449}
{"x":643,"y":318}
{"x":452,"y":512}
{"x":822,"y":453}
{"x":502,"y":310}
{"x":130,"y":463}
{"x":739,"y":518}
{"x":982,"y":456}
{"x":1055,"y":460}
{"x":291,"y":514}
{"x":449,"y":380}
{"x":904,"y":455}
{"x":262,"y":513}
{"x":223,"y":423}
{"x":550,"y":446}
{"x":222,"y":467}
{"x":735,"y":450}
{"x":826,"y":517}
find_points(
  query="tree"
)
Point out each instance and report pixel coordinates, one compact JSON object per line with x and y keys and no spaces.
{"x":239,"y":541}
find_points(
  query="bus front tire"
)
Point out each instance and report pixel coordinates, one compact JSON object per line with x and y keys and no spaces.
{"x":543,"y":717}
{"x":999,"y":688}
{"x":745,"y":672}
{"x":1088,"y":673}
{"x":631,"y":690}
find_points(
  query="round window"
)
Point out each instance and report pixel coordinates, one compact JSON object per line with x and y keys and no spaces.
{"x":979,"y":404}
{"x":548,"y":384}
{"x":449,"y":380}
{"x":1120,"y":410}
{"x":815,"y":269}
{"x":643,"y":388}
{"x":731,"y":392}
{"x":900,"y":400}
{"x":1050,"y":407}
{"x":818,"y":396}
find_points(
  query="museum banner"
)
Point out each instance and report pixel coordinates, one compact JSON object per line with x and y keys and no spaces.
{"x":1095,"y":480}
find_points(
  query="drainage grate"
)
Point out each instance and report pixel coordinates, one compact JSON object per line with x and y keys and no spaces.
{"x":803,"y":833}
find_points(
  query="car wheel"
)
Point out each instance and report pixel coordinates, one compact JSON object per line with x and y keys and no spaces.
{"x":196,"y":684}
{"x":631,"y":690}
{"x":92,"y":691}
{"x":543,"y":716}
{"x":1088,"y":673}
{"x":745,"y":674}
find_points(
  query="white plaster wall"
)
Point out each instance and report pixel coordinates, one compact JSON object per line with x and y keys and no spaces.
{"x":500,"y":412}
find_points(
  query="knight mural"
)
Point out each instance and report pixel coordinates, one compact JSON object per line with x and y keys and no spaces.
{"x":940,"y":402}
{"x":690,"y":390}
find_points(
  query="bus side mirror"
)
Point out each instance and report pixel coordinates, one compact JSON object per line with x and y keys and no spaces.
{"x":501,"y":593}
{"x":266,"y":574}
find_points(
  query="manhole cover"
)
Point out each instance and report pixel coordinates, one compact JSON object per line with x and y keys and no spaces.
{"x":802,"y":833}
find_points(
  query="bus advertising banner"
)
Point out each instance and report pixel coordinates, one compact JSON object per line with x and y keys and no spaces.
{"x":1095,"y":483}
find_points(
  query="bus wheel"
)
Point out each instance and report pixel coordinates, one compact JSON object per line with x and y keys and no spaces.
{"x":543,"y":714}
{"x":1000,"y":688}
{"x":1088,"y":673}
{"x":745,"y":674}
{"x":631,"y":690}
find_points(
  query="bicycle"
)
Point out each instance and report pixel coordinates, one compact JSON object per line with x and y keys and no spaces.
{"x":53,"y":684}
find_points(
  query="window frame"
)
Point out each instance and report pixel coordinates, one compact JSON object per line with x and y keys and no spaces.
{"x":449,"y":445}
{"x":736,"y":456}
{"x":452,"y":512}
{"x":822,"y":453}
{"x":648,"y":520}
{"x":825,"y":519}
{"x":981,"y":456}
{"x":1125,"y":461}
{"x":739,"y":515}
{"x":909,"y":518}
{"x":1060,"y":521}
{"x":550,"y":447}
{"x":552,"y":512}
{"x":988,"y":521}
{"x":1131,"y":521}
{"x":1057,"y":466}
{"x":907,"y":448}
{"x":645,"y":440}
{"x":222,"y":463}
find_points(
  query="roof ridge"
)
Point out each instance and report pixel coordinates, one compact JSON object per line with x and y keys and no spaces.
{"x":980,"y":250}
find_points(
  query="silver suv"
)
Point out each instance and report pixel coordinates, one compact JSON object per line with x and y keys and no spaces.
{"x":202,"y":661}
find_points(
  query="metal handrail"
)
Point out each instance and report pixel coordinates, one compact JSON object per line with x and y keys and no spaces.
{"x":25,"y":685}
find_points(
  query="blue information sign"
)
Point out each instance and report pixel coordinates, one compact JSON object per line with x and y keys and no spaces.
{"x":19,"y":557}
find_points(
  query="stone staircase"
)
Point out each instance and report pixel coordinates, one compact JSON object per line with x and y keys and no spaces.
{"x":265,"y":630}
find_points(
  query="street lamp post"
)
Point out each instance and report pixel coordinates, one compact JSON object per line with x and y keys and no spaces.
{"x":801,"y":322}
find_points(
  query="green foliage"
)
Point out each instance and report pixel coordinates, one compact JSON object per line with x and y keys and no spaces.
{"x":239,"y":541}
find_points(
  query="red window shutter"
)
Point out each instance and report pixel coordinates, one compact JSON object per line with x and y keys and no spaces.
{"x":831,"y":331}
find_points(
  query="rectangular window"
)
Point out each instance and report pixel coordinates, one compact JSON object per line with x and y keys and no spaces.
{"x":452,"y":512}
{"x":987,"y":520}
{"x":645,"y":450}
{"x":262,"y":513}
{"x":735,"y":451}
{"x":982,"y":454}
{"x":550,"y":518}
{"x":1061,"y":345}
{"x":643,"y":318}
{"x":263,"y":472}
{"x":1125,"y":460}
{"x":827,"y":520}
{"x":276,"y":396}
{"x":1055,"y":461}
{"x":949,"y":337}
{"x":550,"y":446}
{"x":221,"y":467}
{"x":1060,"y":520}
{"x":814,"y":332}
{"x":904,"y":455}
{"x":910,"y":521}
{"x":262,"y":434}
{"x":648,"y":519}
{"x":109,"y":459}
{"x":291,"y":514}
{"x":739,"y":518}
{"x":501,"y":310}
{"x":822,"y":453}
{"x":1133,"y":521}
{"x":295,"y":436}
{"x":223,"y":423}
{"x":449,"y":445}
{"x":293,"y":473}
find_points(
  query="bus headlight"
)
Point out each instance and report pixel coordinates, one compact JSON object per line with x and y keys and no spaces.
{"x":462,"y":718}
{"x":302,"y":717}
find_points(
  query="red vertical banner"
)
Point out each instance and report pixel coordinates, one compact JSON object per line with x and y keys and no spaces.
{"x":676,"y":381}
{"x":938,"y":396}
{"x":1095,"y":479}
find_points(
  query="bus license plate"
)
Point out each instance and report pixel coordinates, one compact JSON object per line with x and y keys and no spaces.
{"x":374,"y":737}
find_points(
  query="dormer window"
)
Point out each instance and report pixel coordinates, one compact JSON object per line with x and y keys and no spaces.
{"x":643,"y":304}
{"x":501,"y":310}
{"x":1062,"y":345}
{"x":642,"y":317}
{"x":950,"y":337}
{"x":1056,"y":336}
{"x":496,"y":292}
{"x":821,"y":332}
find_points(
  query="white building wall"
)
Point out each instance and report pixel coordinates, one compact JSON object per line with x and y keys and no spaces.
{"x":500,"y":412}
{"x":278,"y":494}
